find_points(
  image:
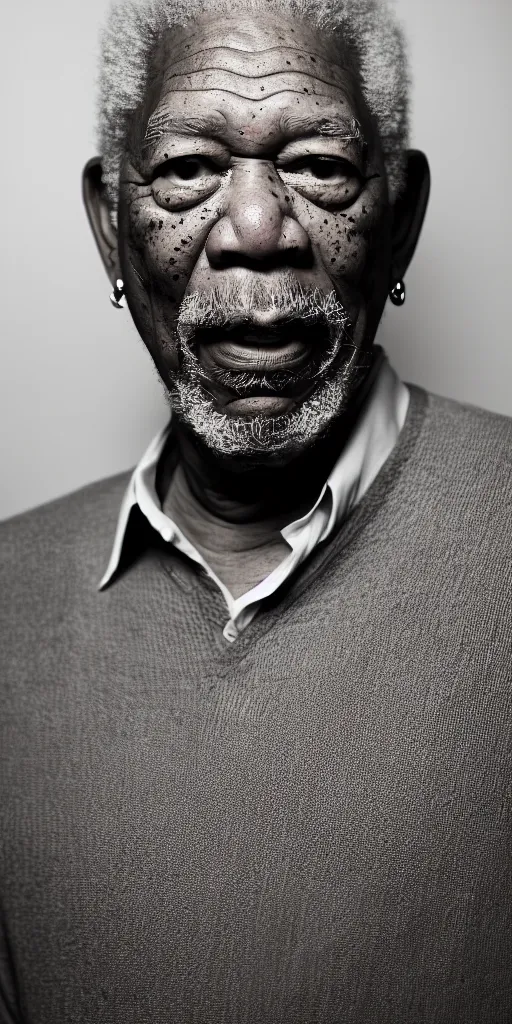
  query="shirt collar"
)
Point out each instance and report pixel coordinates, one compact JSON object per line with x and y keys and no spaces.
{"x":373,"y":436}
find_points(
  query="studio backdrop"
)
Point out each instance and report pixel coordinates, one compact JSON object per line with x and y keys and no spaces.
{"x":79,"y":398}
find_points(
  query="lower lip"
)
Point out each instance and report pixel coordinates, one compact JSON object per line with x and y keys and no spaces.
{"x":259,"y":406}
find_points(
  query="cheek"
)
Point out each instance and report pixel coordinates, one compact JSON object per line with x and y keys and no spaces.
{"x":167,"y":244}
{"x":158,"y":250}
{"x":345,"y":241}
{"x":348,"y":243}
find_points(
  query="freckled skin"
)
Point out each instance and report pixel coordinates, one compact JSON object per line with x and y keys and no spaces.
{"x":257,"y":211}
{"x":258,"y":204}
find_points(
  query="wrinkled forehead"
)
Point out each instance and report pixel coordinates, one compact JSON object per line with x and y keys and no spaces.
{"x":252,"y":67}
{"x":249,"y":33}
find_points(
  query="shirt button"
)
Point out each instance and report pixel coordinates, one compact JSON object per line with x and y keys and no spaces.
{"x":229,"y":632}
{"x":167,"y":534}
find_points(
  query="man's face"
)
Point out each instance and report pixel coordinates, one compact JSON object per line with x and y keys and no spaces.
{"x":254,"y":232}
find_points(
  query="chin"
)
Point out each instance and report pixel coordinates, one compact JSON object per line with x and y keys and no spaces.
{"x":259,"y":435}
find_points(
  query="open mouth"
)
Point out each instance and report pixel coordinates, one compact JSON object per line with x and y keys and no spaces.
{"x":254,"y":361}
{"x":250,"y":349}
{"x":262,"y":369}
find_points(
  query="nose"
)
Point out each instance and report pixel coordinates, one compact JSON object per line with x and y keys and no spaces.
{"x":255,"y":227}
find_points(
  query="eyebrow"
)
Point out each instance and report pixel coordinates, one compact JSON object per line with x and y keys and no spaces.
{"x":332,"y":127}
{"x":160,"y":124}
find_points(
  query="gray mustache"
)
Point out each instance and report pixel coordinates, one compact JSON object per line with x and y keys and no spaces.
{"x":259,"y":306}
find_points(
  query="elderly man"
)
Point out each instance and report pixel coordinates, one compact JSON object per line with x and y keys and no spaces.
{"x":255,"y":762}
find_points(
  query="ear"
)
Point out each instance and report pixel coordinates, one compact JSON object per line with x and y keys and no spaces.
{"x":98,"y":213}
{"x":409,"y":212}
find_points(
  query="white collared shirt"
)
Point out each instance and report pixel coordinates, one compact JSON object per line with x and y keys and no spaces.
{"x":372,"y":439}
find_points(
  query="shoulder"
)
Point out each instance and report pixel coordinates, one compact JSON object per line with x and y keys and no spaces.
{"x":463,"y":446}
{"x":453,"y":497}
{"x":464,"y":418}
{"x":76,"y":528}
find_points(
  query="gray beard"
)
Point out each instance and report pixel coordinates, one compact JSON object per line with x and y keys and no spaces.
{"x":258,"y":438}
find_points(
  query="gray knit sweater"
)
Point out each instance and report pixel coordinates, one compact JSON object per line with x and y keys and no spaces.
{"x":308,"y":826}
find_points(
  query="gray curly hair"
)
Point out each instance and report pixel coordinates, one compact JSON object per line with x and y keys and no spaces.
{"x":369,"y":27}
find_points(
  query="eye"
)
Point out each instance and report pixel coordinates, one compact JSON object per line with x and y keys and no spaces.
{"x":186,"y":181}
{"x":323,"y":168}
{"x":325,"y":180}
{"x":183,"y":169}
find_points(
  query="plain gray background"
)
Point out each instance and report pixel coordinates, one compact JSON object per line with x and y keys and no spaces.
{"x":79,"y":398}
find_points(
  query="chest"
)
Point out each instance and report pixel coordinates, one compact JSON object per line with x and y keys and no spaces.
{"x":309,"y":824}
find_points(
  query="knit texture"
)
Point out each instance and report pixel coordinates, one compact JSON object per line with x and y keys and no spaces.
{"x":308,"y":826}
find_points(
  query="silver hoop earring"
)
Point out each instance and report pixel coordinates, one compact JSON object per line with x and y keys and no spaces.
{"x":117,"y":297}
{"x":397,"y":293}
